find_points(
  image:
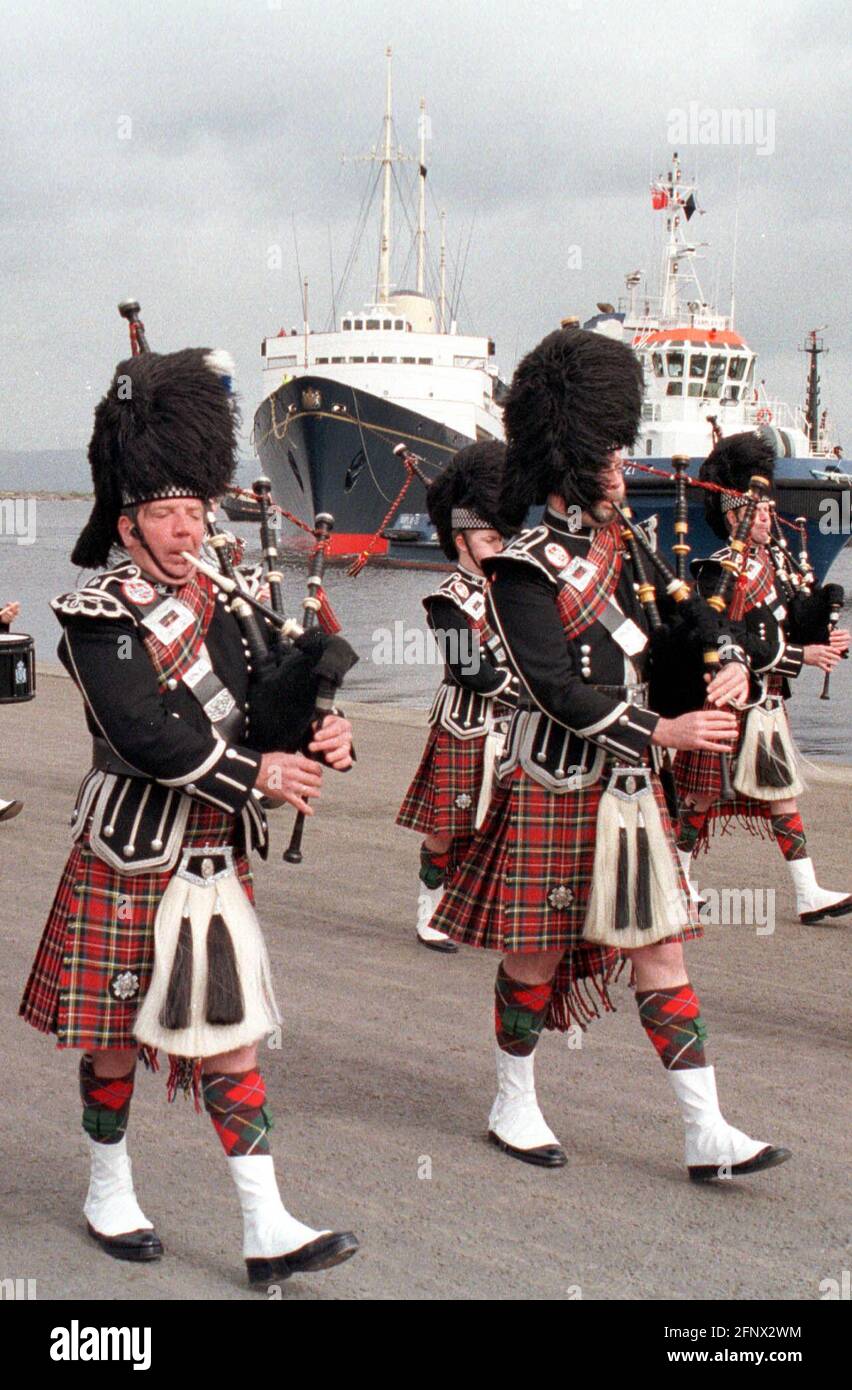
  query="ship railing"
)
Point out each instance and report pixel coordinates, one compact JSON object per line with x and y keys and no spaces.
{"x":769,"y":411}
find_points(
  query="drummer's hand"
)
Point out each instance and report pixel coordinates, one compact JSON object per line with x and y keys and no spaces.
{"x":290,"y":777}
{"x":333,"y":740}
{"x":729,"y":686}
{"x":10,"y":612}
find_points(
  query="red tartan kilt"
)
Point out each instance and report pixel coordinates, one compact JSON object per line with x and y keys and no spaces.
{"x":696,"y":772}
{"x":101,"y":925}
{"x":451,"y":768}
{"x":532,"y":842}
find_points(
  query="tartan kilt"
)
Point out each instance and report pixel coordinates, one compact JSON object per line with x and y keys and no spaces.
{"x":696,"y":771}
{"x":100,"y":927}
{"x":532,"y":842}
{"x":450,"y":770}
{"x":697,"y":774}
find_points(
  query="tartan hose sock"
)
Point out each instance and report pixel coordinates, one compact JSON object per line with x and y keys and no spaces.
{"x":433,"y":867}
{"x":672,"y":1020}
{"x":790,"y":834}
{"x":689,"y":828}
{"x":106,"y":1102}
{"x":237,"y":1106}
{"x":519,"y":1013}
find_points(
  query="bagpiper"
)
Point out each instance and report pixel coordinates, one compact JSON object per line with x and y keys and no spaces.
{"x":152,"y":941}
{"x":575,"y":868}
{"x":782,"y":630}
{"x":11,"y":808}
{"x":451,"y":789}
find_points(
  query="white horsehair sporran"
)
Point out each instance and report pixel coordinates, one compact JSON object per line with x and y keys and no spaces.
{"x":211,"y":988}
{"x":637,"y":897}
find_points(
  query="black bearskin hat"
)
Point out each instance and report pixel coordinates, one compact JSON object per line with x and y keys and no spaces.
{"x":167,"y":427}
{"x":733,"y":463}
{"x":466,"y":496}
{"x":573,"y":400}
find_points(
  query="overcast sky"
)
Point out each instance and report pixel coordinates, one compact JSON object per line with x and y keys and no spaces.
{"x":159,"y":148}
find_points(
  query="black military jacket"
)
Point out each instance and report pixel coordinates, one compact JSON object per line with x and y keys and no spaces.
{"x":587,"y":694}
{"x":157,"y":751}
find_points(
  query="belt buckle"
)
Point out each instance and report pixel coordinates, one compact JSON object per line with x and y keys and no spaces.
{"x":205,"y":864}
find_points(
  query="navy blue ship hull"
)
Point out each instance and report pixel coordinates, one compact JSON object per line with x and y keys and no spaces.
{"x":329,"y":447}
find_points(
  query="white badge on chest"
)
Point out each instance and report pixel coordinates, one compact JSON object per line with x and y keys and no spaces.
{"x":579,"y":574}
{"x":169,"y":620}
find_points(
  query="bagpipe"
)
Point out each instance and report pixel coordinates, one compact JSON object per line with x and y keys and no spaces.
{"x":297,"y":666}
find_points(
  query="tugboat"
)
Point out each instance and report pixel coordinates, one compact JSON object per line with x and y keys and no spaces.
{"x":395,"y":371}
{"x":701,"y":384}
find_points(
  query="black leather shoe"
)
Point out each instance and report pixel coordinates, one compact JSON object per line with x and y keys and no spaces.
{"x":130,"y":1245}
{"x":322,"y":1253}
{"x":447,"y":948}
{"x":547,"y":1156}
{"x":11,"y":810}
{"x":769,"y":1157}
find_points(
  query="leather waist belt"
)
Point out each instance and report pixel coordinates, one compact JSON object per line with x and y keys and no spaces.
{"x":633,"y":694}
{"x":105,"y":759}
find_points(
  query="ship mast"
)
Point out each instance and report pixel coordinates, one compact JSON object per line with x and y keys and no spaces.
{"x":421,"y":210}
{"x":443,"y":299}
{"x":387,"y":158}
{"x":679,"y":202}
{"x":813,"y":347}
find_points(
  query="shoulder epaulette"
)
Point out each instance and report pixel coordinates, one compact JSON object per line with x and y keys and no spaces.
{"x":465,"y":591}
{"x":531,"y":548}
{"x":107,"y":595}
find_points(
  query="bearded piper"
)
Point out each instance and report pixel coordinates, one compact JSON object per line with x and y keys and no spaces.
{"x":575,"y":868}
{"x":152,"y":941}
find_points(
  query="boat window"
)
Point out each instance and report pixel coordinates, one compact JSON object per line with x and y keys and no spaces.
{"x":675,"y":364}
{"x":657,"y":360}
{"x":372,"y":359}
{"x":373,"y":323}
{"x":285,"y":361}
{"x":736,"y":368}
{"x":697,"y":365}
{"x":388,"y":359}
{"x":387,"y":323}
{"x":347,"y":324}
{"x":425,"y":361}
{"x":649,"y":447}
{"x":409,"y":360}
{"x":356,"y":359}
{"x":716,"y":375}
{"x":399,"y":323}
{"x":359,"y":323}
{"x":338,"y":359}
{"x":733,"y":393}
{"x":674,"y":388}
{"x":696,"y":388}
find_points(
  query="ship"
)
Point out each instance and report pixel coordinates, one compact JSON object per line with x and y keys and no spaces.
{"x":337,"y":404}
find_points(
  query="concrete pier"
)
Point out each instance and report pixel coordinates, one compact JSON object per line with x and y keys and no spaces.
{"x":382,"y":1085}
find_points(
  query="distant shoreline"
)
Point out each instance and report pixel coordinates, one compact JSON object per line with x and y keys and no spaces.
{"x":49,"y":496}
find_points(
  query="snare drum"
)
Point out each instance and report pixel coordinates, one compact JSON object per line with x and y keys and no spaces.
{"x":17,"y":667}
